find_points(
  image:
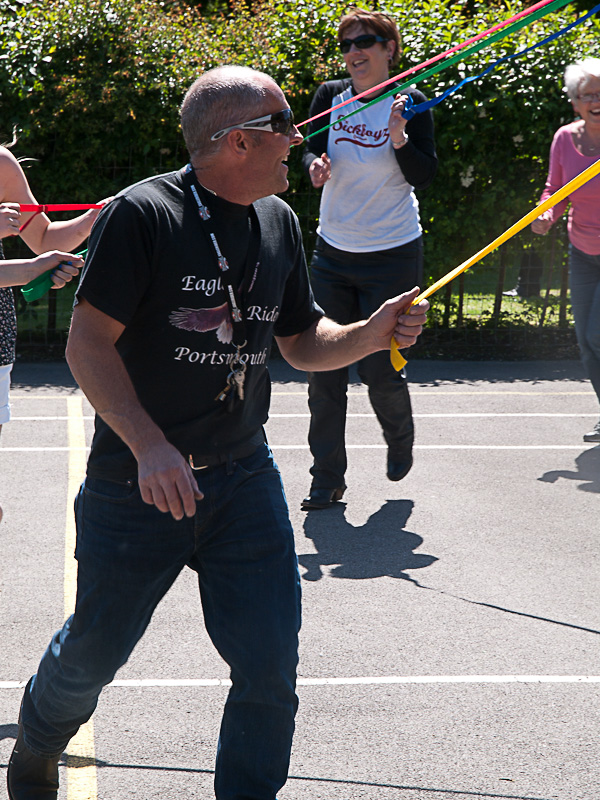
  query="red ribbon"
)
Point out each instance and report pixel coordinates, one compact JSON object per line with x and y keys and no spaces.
{"x":527,"y":12}
{"x":58,"y":207}
{"x":42,"y":209}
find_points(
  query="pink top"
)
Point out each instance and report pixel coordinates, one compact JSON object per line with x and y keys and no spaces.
{"x":566,"y":162}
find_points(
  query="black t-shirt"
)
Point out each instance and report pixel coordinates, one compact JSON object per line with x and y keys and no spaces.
{"x":151,"y":266}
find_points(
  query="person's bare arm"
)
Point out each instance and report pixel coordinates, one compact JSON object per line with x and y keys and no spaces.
{"x":18,"y":272}
{"x":41,"y":235}
{"x":166,"y":479}
{"x":327,"y":345}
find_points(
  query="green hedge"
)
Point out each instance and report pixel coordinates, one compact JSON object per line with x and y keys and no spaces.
{"x":93,"y":89}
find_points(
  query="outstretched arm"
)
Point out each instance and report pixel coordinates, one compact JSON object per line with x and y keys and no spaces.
{"x":41,"y":235}
{"x":327,"y":345}
{"x":18,"y":272}
{"x":165,"y":478}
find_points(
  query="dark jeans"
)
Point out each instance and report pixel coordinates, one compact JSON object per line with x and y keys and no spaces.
{"x":240,"y":543}
{"x":584,"y":276}
{"x":349,"y":287}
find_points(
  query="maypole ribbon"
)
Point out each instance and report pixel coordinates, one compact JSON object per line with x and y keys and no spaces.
{"x":440,"y":56}
{"x":418,"y":108}
{"x":42,"y":209}
{"x":42,"y":284}
{"x":398,"y":360}
{"x":514,"y":24}
{"x":59,"y":207}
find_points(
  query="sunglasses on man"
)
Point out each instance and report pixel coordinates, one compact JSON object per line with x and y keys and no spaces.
{"x":362,"y":42}
{"x":279,"y":122}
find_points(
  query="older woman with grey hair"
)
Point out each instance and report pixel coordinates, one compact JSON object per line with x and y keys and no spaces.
{"x":575,"y":146}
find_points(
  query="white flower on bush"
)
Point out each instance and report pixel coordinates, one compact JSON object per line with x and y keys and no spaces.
{"x":466,"y":178}
{"x":518,"y":139}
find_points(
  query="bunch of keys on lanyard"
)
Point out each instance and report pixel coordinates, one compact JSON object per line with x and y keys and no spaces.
{"x":233,"y":391}
{"x":234,"y":388}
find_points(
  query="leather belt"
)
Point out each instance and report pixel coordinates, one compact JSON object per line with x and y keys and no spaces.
{"x":203,"y":461}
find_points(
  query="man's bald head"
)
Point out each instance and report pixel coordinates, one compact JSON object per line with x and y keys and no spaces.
{"x":221,"y":97}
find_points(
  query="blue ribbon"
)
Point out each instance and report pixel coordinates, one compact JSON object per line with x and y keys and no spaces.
{"x":412,"y":108}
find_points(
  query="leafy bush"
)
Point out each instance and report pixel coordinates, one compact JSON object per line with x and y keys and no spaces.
{"x":93,"y":88}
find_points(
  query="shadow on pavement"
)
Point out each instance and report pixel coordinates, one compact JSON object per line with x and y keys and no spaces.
{"x":381,"y":547}
{"x":427,"y":372}
{"x":456,"y":793}
{"x":8,"y":731}
{"x":75,"y":762}
{"x":28,"y":376}
{"x":587,"y":471}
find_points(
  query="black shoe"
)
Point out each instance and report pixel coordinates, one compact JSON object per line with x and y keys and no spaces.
{"x":30,"y":777}
{"x":322,"y":498}
{"x":398,"y":468}
{"x":593,"y":436}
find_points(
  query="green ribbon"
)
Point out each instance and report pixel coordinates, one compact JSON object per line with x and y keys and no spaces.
{"x":43,"y":283}
{"x":495,"y":37}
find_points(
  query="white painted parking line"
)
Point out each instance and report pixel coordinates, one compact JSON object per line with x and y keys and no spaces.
{"x":41,"y":449}
{"x":583,"y":446}
{"x":415,"y":392}
{"x":379,"y":680}
{"x":366,"y":415}
{"x":369,"y":680}
{"x":455,"y":393}
{"x":45,"y":419}
{"x":434,"y":416}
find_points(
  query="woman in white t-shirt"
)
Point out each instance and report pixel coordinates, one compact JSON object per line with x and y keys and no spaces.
{"x":369,"y":243}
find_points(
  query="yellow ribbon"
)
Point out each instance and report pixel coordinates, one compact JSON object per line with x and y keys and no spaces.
{"x":398,"y":360}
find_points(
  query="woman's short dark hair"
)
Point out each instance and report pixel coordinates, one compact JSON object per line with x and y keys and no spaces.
{"x":380,"y":23}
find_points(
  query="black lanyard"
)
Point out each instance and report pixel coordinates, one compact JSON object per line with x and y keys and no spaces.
{"x":251,"y":263}
{"x":233,"y":391}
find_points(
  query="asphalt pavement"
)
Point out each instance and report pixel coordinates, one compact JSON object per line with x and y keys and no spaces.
{"x":451,"y":634}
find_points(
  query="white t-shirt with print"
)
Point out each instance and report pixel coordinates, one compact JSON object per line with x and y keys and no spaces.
{"x":367,"y":204}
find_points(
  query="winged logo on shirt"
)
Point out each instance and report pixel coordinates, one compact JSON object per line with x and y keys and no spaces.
{"x":204,"y":320}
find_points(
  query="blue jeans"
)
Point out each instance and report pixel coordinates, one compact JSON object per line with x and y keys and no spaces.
{"x":350,"y":287}
{"x":240,"y":544}
{"x":584,"y":276}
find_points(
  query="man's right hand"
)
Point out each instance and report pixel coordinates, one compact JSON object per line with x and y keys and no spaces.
{"x":166,"y":481}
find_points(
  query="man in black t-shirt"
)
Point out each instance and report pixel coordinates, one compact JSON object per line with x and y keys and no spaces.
{"x":188,"y":277}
